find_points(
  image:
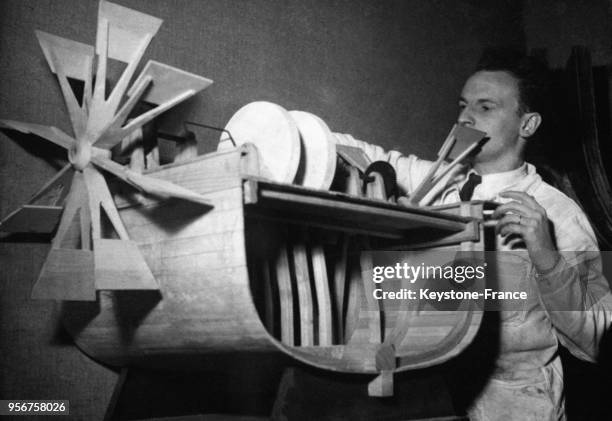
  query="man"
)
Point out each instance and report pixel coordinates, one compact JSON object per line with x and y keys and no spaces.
{"x":560,"y":266}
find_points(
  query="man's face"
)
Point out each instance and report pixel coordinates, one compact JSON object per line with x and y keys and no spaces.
{"x":490,"y":102}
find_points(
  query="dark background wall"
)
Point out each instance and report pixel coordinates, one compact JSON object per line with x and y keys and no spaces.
{"x":386,"y":72}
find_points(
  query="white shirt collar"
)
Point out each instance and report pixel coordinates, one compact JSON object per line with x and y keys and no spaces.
{"x":494,"y":183}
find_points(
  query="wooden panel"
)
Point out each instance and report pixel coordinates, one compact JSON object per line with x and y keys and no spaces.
{"x":204,"y":303}
{"x":199,"y":313}
{"x":280,"y":263}
{"x":588,"y":174}
{"x":179,"y":220}
{"x":339,"y":285}
{"x":346,"y":211}
{"x":343,"y":358}
{"x":321,"y":282}
{"x":373,"y":308}
{"x":302,"y":278}
{"x":205,"y":174}
{"x":119,"y":265}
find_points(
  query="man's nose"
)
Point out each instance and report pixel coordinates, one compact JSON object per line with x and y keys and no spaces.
{"x":465,"y":117}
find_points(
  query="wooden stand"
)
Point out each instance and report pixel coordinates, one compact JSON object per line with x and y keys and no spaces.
{"x":309,"y":394}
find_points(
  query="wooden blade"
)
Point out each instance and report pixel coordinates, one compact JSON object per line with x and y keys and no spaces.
{"x":76,"y":200}
{"x":32,"y":218}
{"x":119,"y":265}
{"x":50,"y":133}
{"x":100,"y":197}
{"x":448,"y":143}
{"x":170,"y":86}
{"x":75,"y":57}
{"x":465,"y":137}
{"x":113,"y":135}
{"x":39,"y":218}
{"x":460,"y":142}
{"x":128,"y":29}
{"x":151,"y":185}
{"x":163,"y":188}
{"x":354,"y":156}
{"x":123,"y":34}
{"x":459,"y":159}
{"x":67,"y":59}
{"x":168,"y":81}
{"x":67,"y":274}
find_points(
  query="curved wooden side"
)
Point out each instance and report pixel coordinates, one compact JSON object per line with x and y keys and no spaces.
{"x":421,"y":337}
{"x":204,"y":304}
{"x":220,"y":292}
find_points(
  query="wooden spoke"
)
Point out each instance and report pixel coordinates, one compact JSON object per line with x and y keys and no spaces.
{"x":50,"y":133}
{"x":60,"y":180}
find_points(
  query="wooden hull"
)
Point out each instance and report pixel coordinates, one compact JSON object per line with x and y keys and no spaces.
{"x":213,"y":298}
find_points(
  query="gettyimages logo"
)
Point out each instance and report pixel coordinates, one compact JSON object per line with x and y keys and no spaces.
{"x":498,"y":281}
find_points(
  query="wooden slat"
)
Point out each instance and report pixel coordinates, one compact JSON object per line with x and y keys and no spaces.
{"x":373,"y":306}
{"x":337,"y":207}
{"x":321,"y":283}
{"x":426,"y":184}
{"x":339,"y":286}
{"x":283,"y":279}
{"x":269,"y":302}
{"x":302,"y":277}
{"x":355,"y":286}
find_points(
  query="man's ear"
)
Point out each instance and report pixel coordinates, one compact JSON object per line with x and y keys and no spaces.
{"x":529,"y":124}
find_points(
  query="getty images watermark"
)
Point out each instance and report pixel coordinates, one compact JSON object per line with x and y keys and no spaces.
{"x":504,"y":281}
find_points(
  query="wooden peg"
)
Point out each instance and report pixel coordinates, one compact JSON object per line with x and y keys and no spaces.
{"x":382,"y":385}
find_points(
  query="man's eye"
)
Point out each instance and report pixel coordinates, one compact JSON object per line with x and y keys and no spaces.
{"x":461,"y":106}
{"x":485,"y":108}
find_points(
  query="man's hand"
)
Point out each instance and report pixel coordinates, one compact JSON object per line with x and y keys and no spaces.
{"x":525,"y":217}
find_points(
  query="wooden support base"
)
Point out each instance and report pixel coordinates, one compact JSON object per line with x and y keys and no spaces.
{"x":310,"y":394}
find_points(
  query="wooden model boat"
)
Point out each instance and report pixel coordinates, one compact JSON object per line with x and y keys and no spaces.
{"x":206,"y":256}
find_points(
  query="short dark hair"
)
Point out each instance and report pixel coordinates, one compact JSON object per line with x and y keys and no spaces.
{"x":530,"y":72}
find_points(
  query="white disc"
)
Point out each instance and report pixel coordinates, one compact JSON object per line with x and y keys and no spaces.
{"x":272,"y":130}
{"x":318,"y":160}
